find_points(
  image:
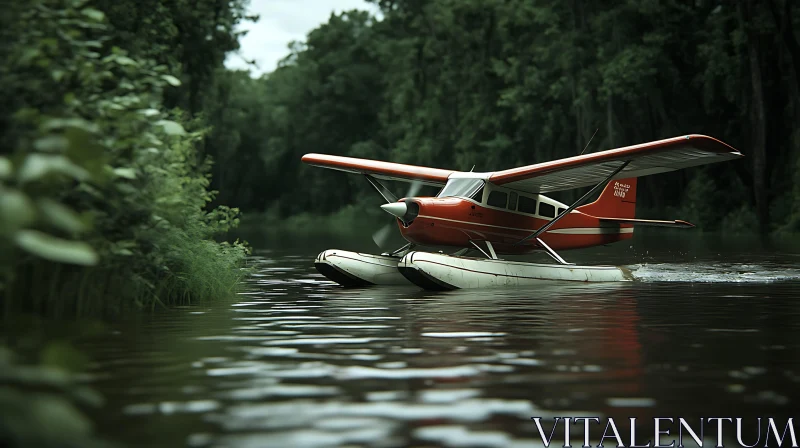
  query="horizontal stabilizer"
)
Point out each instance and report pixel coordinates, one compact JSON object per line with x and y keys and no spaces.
{"x":650,"y":222}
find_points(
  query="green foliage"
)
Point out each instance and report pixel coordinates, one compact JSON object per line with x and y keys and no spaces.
{"x":712,"y":209}
{"x":42,"y":404}
{"x":100,"y":174}
{"x":325,"y":95}
{"x":191,"y":38}
{"x":498,"y":84}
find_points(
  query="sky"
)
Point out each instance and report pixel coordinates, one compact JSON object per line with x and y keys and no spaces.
{"x":281,"y":22}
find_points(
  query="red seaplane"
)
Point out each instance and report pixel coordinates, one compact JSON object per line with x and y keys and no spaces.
{"x":506,"y":213}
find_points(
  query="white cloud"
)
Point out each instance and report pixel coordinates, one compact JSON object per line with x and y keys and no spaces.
{"x":281,"y":22}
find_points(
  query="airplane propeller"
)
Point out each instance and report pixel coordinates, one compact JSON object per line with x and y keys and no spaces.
{"x":413,"y":189}
{"x":382,"y":235}
{"x":393,"y":207}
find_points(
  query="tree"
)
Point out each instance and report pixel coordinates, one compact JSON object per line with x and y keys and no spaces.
{"x":496,"y":84}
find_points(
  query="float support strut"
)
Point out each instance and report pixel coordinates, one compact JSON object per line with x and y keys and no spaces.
{"x":406,"y":248}
{"x":491,"y":255}
{"x":551,"y":252}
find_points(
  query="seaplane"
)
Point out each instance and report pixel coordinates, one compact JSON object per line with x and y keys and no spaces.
{"x":505,"y":213}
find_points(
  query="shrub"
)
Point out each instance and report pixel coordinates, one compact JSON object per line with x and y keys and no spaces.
{"x":103,"y":195}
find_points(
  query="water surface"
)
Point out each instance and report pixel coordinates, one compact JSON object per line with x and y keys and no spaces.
{"x":709,"y":329}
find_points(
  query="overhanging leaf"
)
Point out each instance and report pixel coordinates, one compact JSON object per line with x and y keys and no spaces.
{"x":94,"y":14}
{"x":60,"y":123}
{"x":16,"y":210}
{"x":124,"y":60}
{"x":171,"y":127}
{"x":5,"y":168}
{"x":56,"y":249}
{"x":36,"y":166}
{"x":60,"y":216}
{"x":149,"y":112}
{"x":127,"y":173}
{"x":51,"y":143}
{"x":171,"y":80}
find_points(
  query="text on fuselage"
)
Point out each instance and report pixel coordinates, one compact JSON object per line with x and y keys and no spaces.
{"x":620,"y":190}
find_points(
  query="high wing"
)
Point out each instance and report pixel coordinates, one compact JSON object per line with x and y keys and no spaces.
{"x":382,"y":170}
{"x":574,"y":172}
{"x":590,"y":169}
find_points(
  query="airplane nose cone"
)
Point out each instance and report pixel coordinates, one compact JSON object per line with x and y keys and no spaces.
{"x":397,"y":209}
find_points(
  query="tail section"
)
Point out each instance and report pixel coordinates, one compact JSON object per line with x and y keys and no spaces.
{"x":618,"y":200}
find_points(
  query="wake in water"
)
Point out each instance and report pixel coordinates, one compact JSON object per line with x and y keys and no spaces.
{"x":714,"y":272}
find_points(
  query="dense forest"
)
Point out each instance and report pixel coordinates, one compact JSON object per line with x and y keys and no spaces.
{"x":127,"y":149}
{"x":503,"y":83}
{"x":125,"y":140}
{"x":119,"y":123}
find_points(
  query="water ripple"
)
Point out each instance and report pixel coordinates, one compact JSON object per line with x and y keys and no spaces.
{"x":295,"y":360}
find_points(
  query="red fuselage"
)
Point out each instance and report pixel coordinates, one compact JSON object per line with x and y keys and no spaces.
{"x":454,"y":221}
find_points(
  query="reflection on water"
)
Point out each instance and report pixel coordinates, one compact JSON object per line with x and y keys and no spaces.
{"x":298,"y":361}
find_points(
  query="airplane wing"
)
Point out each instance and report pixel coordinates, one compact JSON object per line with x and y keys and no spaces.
{"x":382,"y":170}
{"x":590,"y":169}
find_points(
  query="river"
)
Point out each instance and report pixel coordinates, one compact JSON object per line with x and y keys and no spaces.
{"x":710,"y":329}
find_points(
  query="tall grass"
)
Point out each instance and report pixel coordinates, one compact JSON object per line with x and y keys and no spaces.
{"x":57,"y":290}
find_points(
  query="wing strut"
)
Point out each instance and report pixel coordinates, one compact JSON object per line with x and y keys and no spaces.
{"x":388,"y":195}
{"x":574,"y":205}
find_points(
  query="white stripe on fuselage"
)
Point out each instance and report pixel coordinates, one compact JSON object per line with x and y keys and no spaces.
{"x":567,"y":231}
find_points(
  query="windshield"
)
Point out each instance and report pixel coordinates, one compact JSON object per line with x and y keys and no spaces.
{"x":465,"y":188}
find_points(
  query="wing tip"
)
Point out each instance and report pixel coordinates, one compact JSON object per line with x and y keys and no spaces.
{"x":310,"y":157}
{"x":715,"y":144}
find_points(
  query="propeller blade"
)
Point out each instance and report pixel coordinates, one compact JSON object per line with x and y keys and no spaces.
{"x":381,"y":236}
{"x":413,"y":189}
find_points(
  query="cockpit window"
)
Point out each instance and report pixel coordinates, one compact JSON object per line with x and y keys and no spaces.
{"x":465,"y":188}
{"x":478,"y":196}
{"x":497,"y":199}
